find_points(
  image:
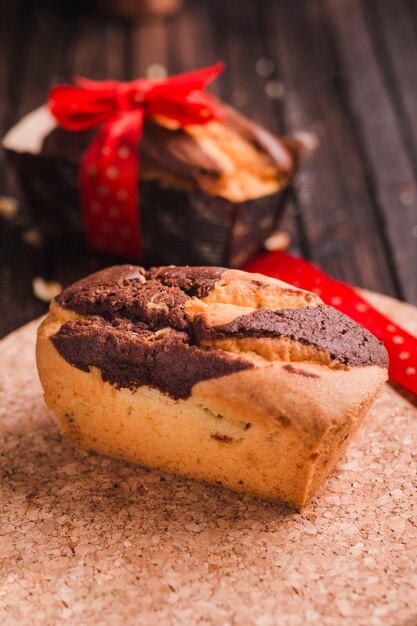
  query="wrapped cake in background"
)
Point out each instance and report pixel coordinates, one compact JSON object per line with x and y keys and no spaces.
{"x":208,"y":193}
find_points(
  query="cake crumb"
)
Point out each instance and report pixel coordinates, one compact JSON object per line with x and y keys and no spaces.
{"x":309,"y":140}
{"x":274,"y":89}
{"x":279,"y":240}
{"x":33,"y":237}
{"x":45,"y":290}
{"x":8,"y":207}
{"x":156,"y":71}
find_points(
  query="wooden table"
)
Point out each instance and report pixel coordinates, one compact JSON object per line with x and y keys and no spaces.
{"x":344,"y":69}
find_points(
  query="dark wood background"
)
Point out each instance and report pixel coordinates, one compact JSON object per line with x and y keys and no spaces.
{"x":344,"y":69}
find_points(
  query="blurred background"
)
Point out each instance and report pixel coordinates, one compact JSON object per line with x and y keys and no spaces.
{"x":343,"y":70}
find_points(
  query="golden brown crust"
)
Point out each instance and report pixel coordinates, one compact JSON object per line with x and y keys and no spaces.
{"x":258,"y":291}
{"x":275,"y":428}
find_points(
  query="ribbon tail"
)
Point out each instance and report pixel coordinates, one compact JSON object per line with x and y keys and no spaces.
{"x":109,"y":187}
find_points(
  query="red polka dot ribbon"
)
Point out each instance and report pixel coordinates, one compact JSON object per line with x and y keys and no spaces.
{"x":401,"y":346}
{"x":109,"y":171}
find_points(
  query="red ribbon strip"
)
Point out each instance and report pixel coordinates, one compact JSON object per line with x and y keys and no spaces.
{"x":109,"y":172}
{"x":401,"y":345}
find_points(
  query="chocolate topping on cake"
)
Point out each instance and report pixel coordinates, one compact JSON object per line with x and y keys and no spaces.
{"x":156,"y":297}
{"x":134,"y":299}
{"x":276,"y":147}
{"x":195,"y":281}
{"x":177,"y":155}
{"x":161,"y":149}
{"x":137,"y":333}
{"x":130,"y":356}
{"x":175,"y":152}
{"x":322,"y":326}
{"x":136,"y":330}
{"x":88,"y":288}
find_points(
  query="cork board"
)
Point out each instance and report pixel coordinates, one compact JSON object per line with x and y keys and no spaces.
{"x":86,"y":540}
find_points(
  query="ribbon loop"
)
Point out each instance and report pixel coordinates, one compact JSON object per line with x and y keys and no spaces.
{"x":132,"y":95}
{"x":127,"y":97}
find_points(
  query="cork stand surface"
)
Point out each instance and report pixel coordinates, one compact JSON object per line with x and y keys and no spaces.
{"x":87,"y":540}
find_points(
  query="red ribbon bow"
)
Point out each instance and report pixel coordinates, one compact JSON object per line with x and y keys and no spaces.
{"x":401,"y":345}
{"x":109,"y":171}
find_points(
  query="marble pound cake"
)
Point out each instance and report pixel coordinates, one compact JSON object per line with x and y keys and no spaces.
{"x":218,"y":374}
{"x":208,"y":194}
